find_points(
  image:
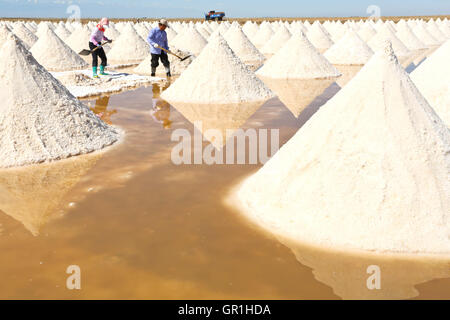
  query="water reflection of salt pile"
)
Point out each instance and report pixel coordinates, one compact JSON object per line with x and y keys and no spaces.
{"x":213,"y":120}
{"x":347,"y":272}
{"x":297,"y":94}
{"x":35,"y":195}
{"x":348,"y":73}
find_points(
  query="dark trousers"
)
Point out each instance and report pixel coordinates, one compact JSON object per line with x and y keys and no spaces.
{"x":164,"y":59}
{"x":96,"y":54}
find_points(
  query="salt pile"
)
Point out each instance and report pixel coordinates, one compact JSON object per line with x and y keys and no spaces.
{"x":409,"y":39}
{"x":277,"y":41}
{"x":432,"y":78}
{"x":203,"y":31}
{"x":298,"y":59}
{"x":370,"y":170}
{"x":142,"y":30}
{"x":350,"y":50}
{"x":242,"y":46}
{"x":79,"y":39}
{"x":171,"y":34}
{"x":319,"y":37}
{"x":436,"y":32}
{"x":250,"y":29}
{"x":189,"y":40}
{"x":385,"y":34}
{"x":112,"y":33}
{"x":263,"y":35}
{"x":129,"y":48}
{"x":42,"y":28}
{"x":366,"y":32}
{"x":62,"y":32}
{"x":217,"y":76}
{"x":425,"y":36}
{"x":54,"y":54}
{"x":39,"y":119}
{"x":28,"y":38}
{"x":4,"y":32}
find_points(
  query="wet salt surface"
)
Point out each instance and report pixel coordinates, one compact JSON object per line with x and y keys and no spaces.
{"x":140,"y":227}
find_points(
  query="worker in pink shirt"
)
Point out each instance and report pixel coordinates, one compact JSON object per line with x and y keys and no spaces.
{"x":97,"y":36}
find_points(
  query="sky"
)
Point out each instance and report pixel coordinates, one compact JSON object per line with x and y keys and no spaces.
{"x":232,"y":8}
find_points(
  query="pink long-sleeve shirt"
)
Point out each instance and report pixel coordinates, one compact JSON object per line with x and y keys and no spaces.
{"x":98,"y":35}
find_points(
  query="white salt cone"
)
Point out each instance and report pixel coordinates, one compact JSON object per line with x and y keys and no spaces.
{"x":349,"y":50}
{"x":129,"y":48}
{"x":51,"y":52}
{"x":298,"y":59}
{"x":39,"y":119}
{"x":369,"y":171}
{"x":217,"y":75}
{"x":432,"y":78}
{"x":242,"y":46}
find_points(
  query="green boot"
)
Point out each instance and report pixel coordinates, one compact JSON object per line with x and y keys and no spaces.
{"x":102,"y":71}
{"x":94,"y":72}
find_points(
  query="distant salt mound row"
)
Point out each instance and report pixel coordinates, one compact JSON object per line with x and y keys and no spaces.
{"x":39,"y":119}
{"x":436,"y":32}
{"x":423,"y":34}
{"x":277,"y":41}
{"x":54,"y":54}
{"x":242,"y":46}
{"x":432,"y":78}
{"x":250,"y":29}
{"x":350,"y":50}
{"x":217,"y":76}
{"x":177,"y":66}
{"x":190,"y":40}
{"x":407,"y":36}
{"x":263,"y":35}
{"x":367,"y":32}
{"x":384,"y":34}
{"x":369,"y":171}
{"x":298,"y":59}
{"x":129,"y":48}
{"x":319,"y":38}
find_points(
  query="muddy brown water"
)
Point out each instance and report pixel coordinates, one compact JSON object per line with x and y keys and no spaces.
{"x":140,"y":227}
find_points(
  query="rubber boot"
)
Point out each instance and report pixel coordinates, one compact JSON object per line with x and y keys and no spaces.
{"x":153,"y":72}
{"x":102,"y":71}
{"x":168,"y":74}
{"x":94,"y":72}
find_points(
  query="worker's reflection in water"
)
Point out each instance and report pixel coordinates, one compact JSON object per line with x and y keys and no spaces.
{"x":101,"y":109}
{"x":160,"y":111}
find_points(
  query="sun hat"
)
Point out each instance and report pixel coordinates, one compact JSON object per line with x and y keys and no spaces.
{"x":164,"y":22}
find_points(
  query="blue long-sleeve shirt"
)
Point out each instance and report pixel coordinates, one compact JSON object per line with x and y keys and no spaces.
{"x":160,"y":37}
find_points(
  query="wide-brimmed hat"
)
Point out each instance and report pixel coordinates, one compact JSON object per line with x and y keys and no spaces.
{"x":164,"y":22}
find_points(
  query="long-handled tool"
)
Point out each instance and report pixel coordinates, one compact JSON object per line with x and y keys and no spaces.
{"x":86,"y":52}
{"x":170,"y":52}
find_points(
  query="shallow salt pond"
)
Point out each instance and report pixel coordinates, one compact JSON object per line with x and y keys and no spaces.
{"x":140,"y":227}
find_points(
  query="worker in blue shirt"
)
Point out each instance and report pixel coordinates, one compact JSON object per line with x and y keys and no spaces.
{"x":158,"y":39}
